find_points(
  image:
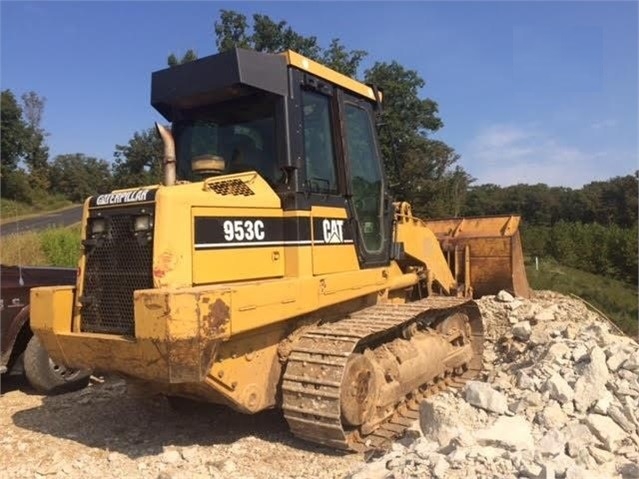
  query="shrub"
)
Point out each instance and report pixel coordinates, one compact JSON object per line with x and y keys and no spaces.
{"x":61,"y":246}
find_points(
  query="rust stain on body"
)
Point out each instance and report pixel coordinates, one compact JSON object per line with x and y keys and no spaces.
{"x":218,"y":318}
{"x":163,"y":265}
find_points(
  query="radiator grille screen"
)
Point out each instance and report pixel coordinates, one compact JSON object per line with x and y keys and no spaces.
{"x":116,"y":265}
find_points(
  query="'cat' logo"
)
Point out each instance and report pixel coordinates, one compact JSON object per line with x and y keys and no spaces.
{"x":333,"y":231}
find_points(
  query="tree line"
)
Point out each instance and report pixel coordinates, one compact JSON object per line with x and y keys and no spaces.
{"x":28,"y":174}
{"x":593,"y":228}
{"x":607,"y":250}
{"x":610,"y":202}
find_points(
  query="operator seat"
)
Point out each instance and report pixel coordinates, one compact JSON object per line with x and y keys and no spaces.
{"x":245,"y":155}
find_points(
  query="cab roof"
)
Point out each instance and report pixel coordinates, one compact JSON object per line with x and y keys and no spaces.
{"x":237,"y":73}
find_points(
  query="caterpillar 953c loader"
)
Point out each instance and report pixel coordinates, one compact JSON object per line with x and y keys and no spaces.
{"x":271,"y":268}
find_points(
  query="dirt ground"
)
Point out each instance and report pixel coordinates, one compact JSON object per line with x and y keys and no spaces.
{"x":102,"y":432}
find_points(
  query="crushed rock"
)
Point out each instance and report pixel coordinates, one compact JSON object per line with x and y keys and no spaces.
{"x":571,"y":391}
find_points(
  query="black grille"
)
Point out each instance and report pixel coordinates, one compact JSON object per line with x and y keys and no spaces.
{"x":116,"y":265}
{"x":231,"y":187}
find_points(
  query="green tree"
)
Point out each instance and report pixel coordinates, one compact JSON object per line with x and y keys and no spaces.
{"x":570,"y":205}
{"x":421,"y":170}
{"x":562,"y":243}
{"x":15,"y":186}
{"x":613,"y":201}
{"x":609,"y":202}
{"x":77,"y":176}
{"x":631,"y":254}
{"x":36,"y":151}
{"x":189,"y":56}
{"x":535,"y":240}
{"x":139,"y":162}
{"x":23,"y":143}
{"x":232,"y":29}
{"x":13,"y":133}
{"x":337,"y":57}
{"x":483,"y":199}
{"x":274,"y":37}
{"x":14,"y":183}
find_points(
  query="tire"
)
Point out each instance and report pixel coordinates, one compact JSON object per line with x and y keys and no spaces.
{"x":48,"y":377}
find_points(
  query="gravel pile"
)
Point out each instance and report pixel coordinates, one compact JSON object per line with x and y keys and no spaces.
{"x":105,"y":432}
{"x":559,"y":399}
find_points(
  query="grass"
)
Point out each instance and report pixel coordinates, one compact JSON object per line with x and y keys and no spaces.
{"x":51,"y":247}
{"x":24,"y":249}
{"x":616,"y":299}
{"x":11,"y":210}
{"x":62,"y":246}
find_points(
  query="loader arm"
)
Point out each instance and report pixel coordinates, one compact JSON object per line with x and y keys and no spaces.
{"x":467,"y":256}
{"x":421,"y":245}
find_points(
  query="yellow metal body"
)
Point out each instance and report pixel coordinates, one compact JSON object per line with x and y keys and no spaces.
{"x":203,"y":299}
{"x":201,"y":335}
{"x":217,"y":322}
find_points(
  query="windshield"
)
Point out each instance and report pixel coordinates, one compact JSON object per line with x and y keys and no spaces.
{"x":241,"y":133}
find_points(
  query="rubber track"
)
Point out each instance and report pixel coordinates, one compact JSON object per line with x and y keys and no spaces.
{"x":311,"y":385}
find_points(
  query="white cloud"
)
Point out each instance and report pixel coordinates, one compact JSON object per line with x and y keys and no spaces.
{"x":607,"y":123}
{"x":509,"y":154}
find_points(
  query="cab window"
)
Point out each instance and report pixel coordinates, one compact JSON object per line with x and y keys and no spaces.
{"x":242,"y":134}
{"x":319,"y":153}
{"x":366,"y":177}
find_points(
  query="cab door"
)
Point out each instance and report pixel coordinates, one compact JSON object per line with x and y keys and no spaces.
{"x":367,"y":196}
{"x":333,"y":249}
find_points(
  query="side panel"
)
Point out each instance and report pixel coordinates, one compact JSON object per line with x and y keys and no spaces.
{"x":16,"y":283}
{"x":13,"y":302}
{"x":298,"y":260}
{"x":333,"y":246}
{"x":237,"y":244}
{"x":10,"y":330}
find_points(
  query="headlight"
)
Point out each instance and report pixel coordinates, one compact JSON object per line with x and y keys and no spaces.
{"x":98,"y":225}
{"x":142,"y":223}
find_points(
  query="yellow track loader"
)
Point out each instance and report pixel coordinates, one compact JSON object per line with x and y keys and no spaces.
{"x":272,"y":268}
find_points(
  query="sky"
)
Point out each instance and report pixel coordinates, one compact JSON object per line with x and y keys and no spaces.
{"x":529,"y":92}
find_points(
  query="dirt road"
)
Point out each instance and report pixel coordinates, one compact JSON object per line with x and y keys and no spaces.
{"x":46,"y":220}
{"x":103,"y":432}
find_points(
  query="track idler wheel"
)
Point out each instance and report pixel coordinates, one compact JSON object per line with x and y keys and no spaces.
{"x":456,"y":328}
{"x":360,"y":390}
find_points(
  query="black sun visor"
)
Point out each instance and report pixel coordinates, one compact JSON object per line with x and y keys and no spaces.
{"x":216,"y":78}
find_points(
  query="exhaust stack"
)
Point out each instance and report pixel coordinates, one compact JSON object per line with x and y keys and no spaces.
{"x":168,"y":163}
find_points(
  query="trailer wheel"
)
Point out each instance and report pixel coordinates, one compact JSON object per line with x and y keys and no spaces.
{"x":46,"y":376}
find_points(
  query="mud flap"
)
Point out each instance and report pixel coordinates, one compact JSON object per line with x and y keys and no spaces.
{"x":485,"y":253}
